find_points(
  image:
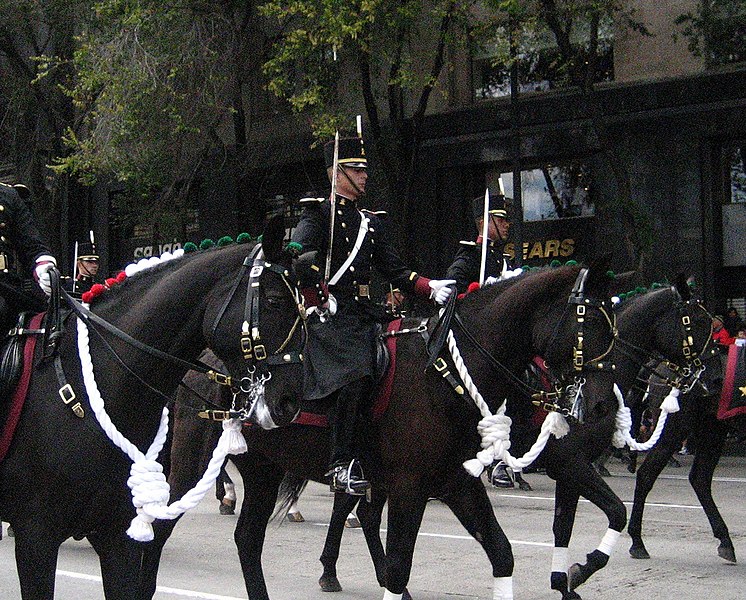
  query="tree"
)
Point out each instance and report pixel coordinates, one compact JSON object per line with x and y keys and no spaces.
{"x":157,"y":83}
{"x":716,"y":31}
{"x":34,"y":112}
{"x":393,"y":52}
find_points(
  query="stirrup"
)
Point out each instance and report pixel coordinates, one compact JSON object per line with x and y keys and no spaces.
{"x":351,"y":485}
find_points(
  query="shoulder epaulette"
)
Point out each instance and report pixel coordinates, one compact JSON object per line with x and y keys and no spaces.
{"x":311,"y":201}
{"x":467,"y":243}
{"x":377,"y":213}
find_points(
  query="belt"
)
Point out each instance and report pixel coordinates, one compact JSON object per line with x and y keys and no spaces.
{"x":358,"y":291}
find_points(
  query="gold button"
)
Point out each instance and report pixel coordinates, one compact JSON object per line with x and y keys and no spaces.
{"x":344,"y":225}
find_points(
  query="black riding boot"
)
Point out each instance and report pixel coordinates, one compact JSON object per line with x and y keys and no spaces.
{"x":345,"y":422}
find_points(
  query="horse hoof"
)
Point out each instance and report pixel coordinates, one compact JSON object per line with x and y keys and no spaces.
{"x":11,"y":533}
{"x":727,"y":553}
{"x":571,"y":595}
{"x":352,"y":522}
{"x":330,"y":584}
{"x":525,"y":486}
{"x":575,"y":576}
{"x":296,"y":517}
{"x":406,"y":595}
{"x":227,"y":509}
{"x":639,"y":551}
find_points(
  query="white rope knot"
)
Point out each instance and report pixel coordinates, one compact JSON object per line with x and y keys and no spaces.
{"x":623,"y":422}
{"x":235,"y":441}
{"x":495,"y":433}
{"x":150,"y":490}
{"x":671,"y":402}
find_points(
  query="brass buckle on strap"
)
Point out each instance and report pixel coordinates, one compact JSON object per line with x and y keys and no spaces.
{"x":440,"y":365}
{"x":220,"y":378}
{"x":364,"y":291}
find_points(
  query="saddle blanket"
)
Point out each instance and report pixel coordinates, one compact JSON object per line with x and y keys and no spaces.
{"x":19,"y":395}
{"x":733,"y":397}
{"x":314,"y":413}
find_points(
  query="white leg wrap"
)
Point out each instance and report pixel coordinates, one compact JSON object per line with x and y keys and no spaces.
{"x":559,"y":560}
{"x":609,"y":541}
{"x":230,"y":491}
{"x":389,"y":596}
{"x":503,"y":589}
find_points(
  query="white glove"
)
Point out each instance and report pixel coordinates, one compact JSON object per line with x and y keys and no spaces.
{"x":326,"y":310}
{"x":440,"y":289}
{"x":491,"y":280}
{"x":43,"y":265}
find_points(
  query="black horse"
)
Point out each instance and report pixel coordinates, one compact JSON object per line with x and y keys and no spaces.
{"x":650,"y":326}
{"x":62,"y":476}
{"x":419,"y":444}
{"x":696,"y":421}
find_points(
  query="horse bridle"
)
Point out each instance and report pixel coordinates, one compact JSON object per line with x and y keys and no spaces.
{"x":258,"y":361}
{"x":684,"y":377}
{"x":550,"y":401}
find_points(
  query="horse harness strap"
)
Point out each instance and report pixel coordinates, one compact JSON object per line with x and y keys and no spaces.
{"x":439,"y":364}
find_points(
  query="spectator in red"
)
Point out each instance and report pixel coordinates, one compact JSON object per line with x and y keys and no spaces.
{"x":719,"y":333}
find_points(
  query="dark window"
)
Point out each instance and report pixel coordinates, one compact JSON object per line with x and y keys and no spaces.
{"x":734,"y":206}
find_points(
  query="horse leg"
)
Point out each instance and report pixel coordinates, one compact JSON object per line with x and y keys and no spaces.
{"x":36,"y":560}
{"x":343,"y":504}
{"x":565,"y":507}
{"x":261,"y":484}
{"x":151,"y":557}
{"x":710,"y":441}
{"x":472,"y":508}
{"x":369,"y":514}
{"x":120,"y":558}
{"x":406,"y":508}
{"x":647,"y":474}
{"x":592,"y":487}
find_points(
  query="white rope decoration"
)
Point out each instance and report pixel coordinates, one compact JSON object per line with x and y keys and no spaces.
{"x":495,"y":429}
{"x":150,"y":490}
{"x":622,"y":434}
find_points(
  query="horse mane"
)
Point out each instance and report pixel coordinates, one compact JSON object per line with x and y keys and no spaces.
{"x":545,"y":281}
{"x":151,"y":275}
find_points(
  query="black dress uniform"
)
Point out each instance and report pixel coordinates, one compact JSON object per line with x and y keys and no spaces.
{"x":21,"y":247}
{"x":82,"y":283}
{"x":340,"y":355}
{"x":468,"y":260}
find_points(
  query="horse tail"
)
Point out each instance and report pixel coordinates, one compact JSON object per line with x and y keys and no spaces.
{"x":290,"y":489}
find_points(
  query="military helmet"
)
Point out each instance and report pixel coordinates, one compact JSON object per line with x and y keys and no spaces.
{"x":87,"y":251}
{"x":351,"y":153}
{"x":499,"y":206}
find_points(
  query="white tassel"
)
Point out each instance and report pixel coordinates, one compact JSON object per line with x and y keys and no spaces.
{"x":475,"y":467}
{"x":557,"y":425}
{"x":141,"y":529}
{"x":671,"y":402}
{"x":236,"y":443}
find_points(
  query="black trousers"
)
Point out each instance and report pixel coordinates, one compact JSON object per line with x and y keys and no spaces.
{"x":348,"y":420}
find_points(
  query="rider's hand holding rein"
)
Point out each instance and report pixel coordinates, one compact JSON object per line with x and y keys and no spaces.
{"x":44,"y":264}
{"x":441,"y":289}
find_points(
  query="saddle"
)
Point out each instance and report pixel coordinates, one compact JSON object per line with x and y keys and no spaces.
{"x":11,"y":356}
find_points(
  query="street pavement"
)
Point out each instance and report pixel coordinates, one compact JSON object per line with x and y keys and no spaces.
{"x":200,"y":560}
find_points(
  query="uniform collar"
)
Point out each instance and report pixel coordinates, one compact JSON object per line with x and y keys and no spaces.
{"x":491,"y":243}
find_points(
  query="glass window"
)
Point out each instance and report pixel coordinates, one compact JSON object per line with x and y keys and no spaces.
{"x":734,"y":206}
{"x":540,"y":67}
{"x":550,"y":191}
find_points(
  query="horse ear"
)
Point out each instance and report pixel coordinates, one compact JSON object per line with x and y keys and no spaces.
{"x":599,"y":280}
{"x":273,"y":237}
{"x":622,"y":282}
{"x":682,"y":286}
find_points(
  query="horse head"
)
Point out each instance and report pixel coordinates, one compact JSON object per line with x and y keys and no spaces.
{"x":666,"y":326}
{"x":258,"y":330}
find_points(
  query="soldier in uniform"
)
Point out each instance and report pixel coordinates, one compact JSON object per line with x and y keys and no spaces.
{"x":86,"y":269}
{"x":465,"y":270}
{"x":23,"y":253}
{"x":341,"y":347}
{"x":467,"y":263}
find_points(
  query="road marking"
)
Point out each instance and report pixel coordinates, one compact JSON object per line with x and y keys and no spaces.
{"x":158,"y":590}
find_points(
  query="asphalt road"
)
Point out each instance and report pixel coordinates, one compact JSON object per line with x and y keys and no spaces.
{"x":201,"y":562}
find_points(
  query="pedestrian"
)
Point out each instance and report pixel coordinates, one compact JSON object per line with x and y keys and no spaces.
{"x":720,"y":334}
{"x":732,"y":321}
{"x":339,"y":360}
